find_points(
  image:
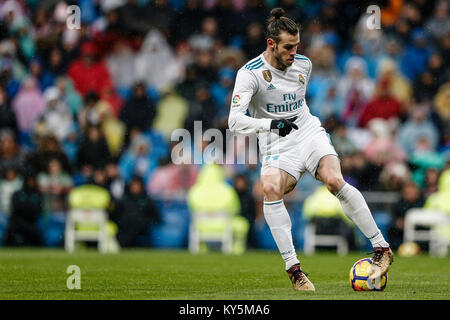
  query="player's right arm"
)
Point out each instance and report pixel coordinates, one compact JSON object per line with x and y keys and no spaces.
{"x":245,"y":87}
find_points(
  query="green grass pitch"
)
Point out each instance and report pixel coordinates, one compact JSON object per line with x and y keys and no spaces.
{"x":178,"y":275}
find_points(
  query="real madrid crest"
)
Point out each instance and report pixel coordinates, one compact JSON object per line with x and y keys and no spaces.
{"x":301,"y":79}
{"x":267,"y":75}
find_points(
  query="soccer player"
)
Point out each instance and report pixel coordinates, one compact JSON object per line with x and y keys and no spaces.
{"x":271,"y":87}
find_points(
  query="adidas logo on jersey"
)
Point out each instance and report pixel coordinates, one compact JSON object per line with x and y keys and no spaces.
{"x":270,"y":87}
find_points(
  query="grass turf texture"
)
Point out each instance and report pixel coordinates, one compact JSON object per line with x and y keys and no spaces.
{"x":178,"y":275}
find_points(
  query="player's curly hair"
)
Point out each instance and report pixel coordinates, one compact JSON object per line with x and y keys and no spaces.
{"x":279,"y":22}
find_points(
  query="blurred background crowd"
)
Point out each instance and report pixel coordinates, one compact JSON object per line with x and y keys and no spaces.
{"x":97,"y":105}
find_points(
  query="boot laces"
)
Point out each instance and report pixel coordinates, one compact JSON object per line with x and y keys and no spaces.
{"x":378,"y":254}
{"x":299,"y":276}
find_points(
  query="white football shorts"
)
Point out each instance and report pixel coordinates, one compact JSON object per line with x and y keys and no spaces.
{"x":302,"y":155}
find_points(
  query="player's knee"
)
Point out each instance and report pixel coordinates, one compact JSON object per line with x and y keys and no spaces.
{"x":334,"y":183}
{"x":272,"y":191}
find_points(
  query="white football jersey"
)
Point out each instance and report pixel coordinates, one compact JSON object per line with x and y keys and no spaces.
{"x":268,"y":93}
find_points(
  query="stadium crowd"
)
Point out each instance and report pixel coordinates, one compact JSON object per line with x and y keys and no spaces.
{"x":98,"y":104}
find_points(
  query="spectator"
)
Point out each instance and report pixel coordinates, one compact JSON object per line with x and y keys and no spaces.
{"x":42,"y":26}
{"x":99,"y":178}
{"x":48,"y":148}
{"x":293,"y":11}
{"x":172,"y":180}
{"x":383,"y":105}
{"x":225,"y":16}
{"x":325,"y":72}
{"x":423,"y":158}
{"x":55,"y":184}
{"x":416,"y":55}
{"x":134,"y":214}
{"x":94,"y":111}
{"x":28,"y":104}
{"x":430,"y":181}
{"x":394,"y":175}
{"x":354,"y":82}
{"x":10,"y":182}
{"x":392,"y":54}
{"x":248,"y":205}
{"x":347,"y":167}
{"x":70,"y":42}
{"x":187,"y":21}
{"x":171,"y":112}
{"x":89,"y":73}
{"x":399,"y":86}
{"x":44,"y":78}
{"x":68,"y":94}
{"x":12,"y":70}
{"x":204,"y":68}
{"x":201,"y":109}
{"x":161,"y":14}
{"x":119,"y":62}
{"x":441,"y":104}
{"x":221,"y":89}
{"x":11,"y":154}
{"x":26,"y":209}
{"x":21,"y":31}
{"x":383,"y":149}
{"x":351,"y":112}
{"x":139,"y":111}
{"x":444,"y":149}
{"x":444,"y":48}
{"x":56,"y":119}
{"x":115,"y":101}
{"x":366,"y":173}
{"x":56,"y":65}
{"x":138,"y":159}
{"x":254,"y":42}
{"x":114,"y":182}
{"x":341,"y":143}
{"x":207,"y":37}
{"x":410,"y":197}
{"x":155,"y":63}
{"x":436,"y":68}
{"x":133,"y":18}
{"x":416,"y":127}
{"x":93,"y":149}
{"x":186,"y":88}
{"x":439,"y":24}
{"x":7,"y":115}
{"x":426,"y":87}
{"x":71,"y":144}
{"x":114,"y":131}
{"x":12,"y":11}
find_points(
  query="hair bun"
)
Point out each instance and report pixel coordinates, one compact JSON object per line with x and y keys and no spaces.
{"x":277,"y":13}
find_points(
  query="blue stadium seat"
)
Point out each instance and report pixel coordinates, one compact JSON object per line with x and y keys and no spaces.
{"x":52,"y":229}
{"x":264,"y":237}
{"x":3,"y":227}
{"x":174,"y":228}
{"x":160,"y":148}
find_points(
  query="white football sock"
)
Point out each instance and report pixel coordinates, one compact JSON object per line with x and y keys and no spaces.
{"x":355,"y":207}
{"x":280,"y":225}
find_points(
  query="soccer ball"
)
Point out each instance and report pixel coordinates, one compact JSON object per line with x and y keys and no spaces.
{"x":359,"y":277}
